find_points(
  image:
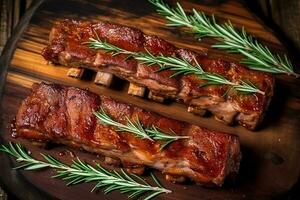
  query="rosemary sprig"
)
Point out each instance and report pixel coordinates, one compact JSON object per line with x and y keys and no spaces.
{"x":180,"y":66}
{"x":131,"y":127}
{"x":138,"y":129}
{"x":80,"y":172}
{"x":257,"y":56}
{"x":156,"y":134}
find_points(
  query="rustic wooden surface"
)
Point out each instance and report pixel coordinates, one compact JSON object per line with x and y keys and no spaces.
{"x":270,"y":165}
{"x":283,"y":17}
{"x":10,"y":12}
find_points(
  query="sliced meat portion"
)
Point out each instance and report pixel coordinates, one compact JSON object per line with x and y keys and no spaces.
{"x":67,"y":47}
{"x":64,"y":115}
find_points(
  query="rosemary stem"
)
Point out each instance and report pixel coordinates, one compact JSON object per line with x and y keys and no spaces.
{"x":63,"y":167}
{"x":137,"y":128}
{"x":180,"y":66}
{"x":81,"y":172}
{"x":256,"y":55}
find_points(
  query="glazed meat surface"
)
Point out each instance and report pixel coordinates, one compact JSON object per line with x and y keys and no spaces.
{"x":66,"y":47}
{"x":65,"y":115}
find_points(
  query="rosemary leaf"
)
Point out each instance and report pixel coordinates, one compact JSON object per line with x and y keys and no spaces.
{"x":257,"y":56}
{"x":153,"y":133}
{"x":179,"y":66}
{"x":80,"y":172}
{"x":131,"y":127}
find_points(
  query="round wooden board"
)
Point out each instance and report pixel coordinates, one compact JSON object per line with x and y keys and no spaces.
{"x":270,"y":165}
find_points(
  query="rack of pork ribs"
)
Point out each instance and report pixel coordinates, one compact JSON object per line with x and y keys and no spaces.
{"x":66,"y":48}
{"x":65,"y":115}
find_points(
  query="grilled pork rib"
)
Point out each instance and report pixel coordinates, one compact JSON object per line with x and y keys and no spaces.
{"x":66,"y":47}
{"x":64,"y":115}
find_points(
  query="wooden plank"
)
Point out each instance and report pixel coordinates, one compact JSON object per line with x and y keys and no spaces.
{"x":17,"y":12}
{"x":3,"y":24}
{"x":266,"y":154}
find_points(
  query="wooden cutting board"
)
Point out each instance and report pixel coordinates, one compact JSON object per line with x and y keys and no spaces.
{"x":270,"y":165}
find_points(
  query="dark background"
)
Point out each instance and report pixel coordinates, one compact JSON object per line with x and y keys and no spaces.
{"x":283,"y":16}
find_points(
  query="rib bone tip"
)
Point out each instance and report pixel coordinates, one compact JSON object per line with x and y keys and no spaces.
{"x":136,"y":90}
{"x":75,"y":72}
{"x":175,"y":178}
{"x":197,"y":111}
{"x":103,"y":78}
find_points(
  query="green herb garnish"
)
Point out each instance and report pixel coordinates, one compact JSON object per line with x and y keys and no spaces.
{"x":257,"y":56}
{"x":81,"y":172}
{"x":135,"y":127}
{"x":180,"y":66}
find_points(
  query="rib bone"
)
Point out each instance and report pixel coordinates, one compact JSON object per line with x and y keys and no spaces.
{"x":65,"y":115}
{"x":188,"y":88}
{"x":75,"y":72}
{"x":103,"y":78}
{"x":136,"y":90}
{"x":175,"y":179}
{"x":196,"y":110}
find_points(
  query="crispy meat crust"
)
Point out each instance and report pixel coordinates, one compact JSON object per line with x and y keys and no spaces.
{"x":64,"y":115}
{"x":66,"y":47}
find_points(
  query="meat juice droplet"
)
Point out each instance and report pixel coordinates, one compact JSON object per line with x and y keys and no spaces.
{"x":62,"y":153}
{"x":13,"y":128}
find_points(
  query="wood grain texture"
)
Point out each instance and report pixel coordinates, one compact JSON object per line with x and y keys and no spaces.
{"x":270,"y":165}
